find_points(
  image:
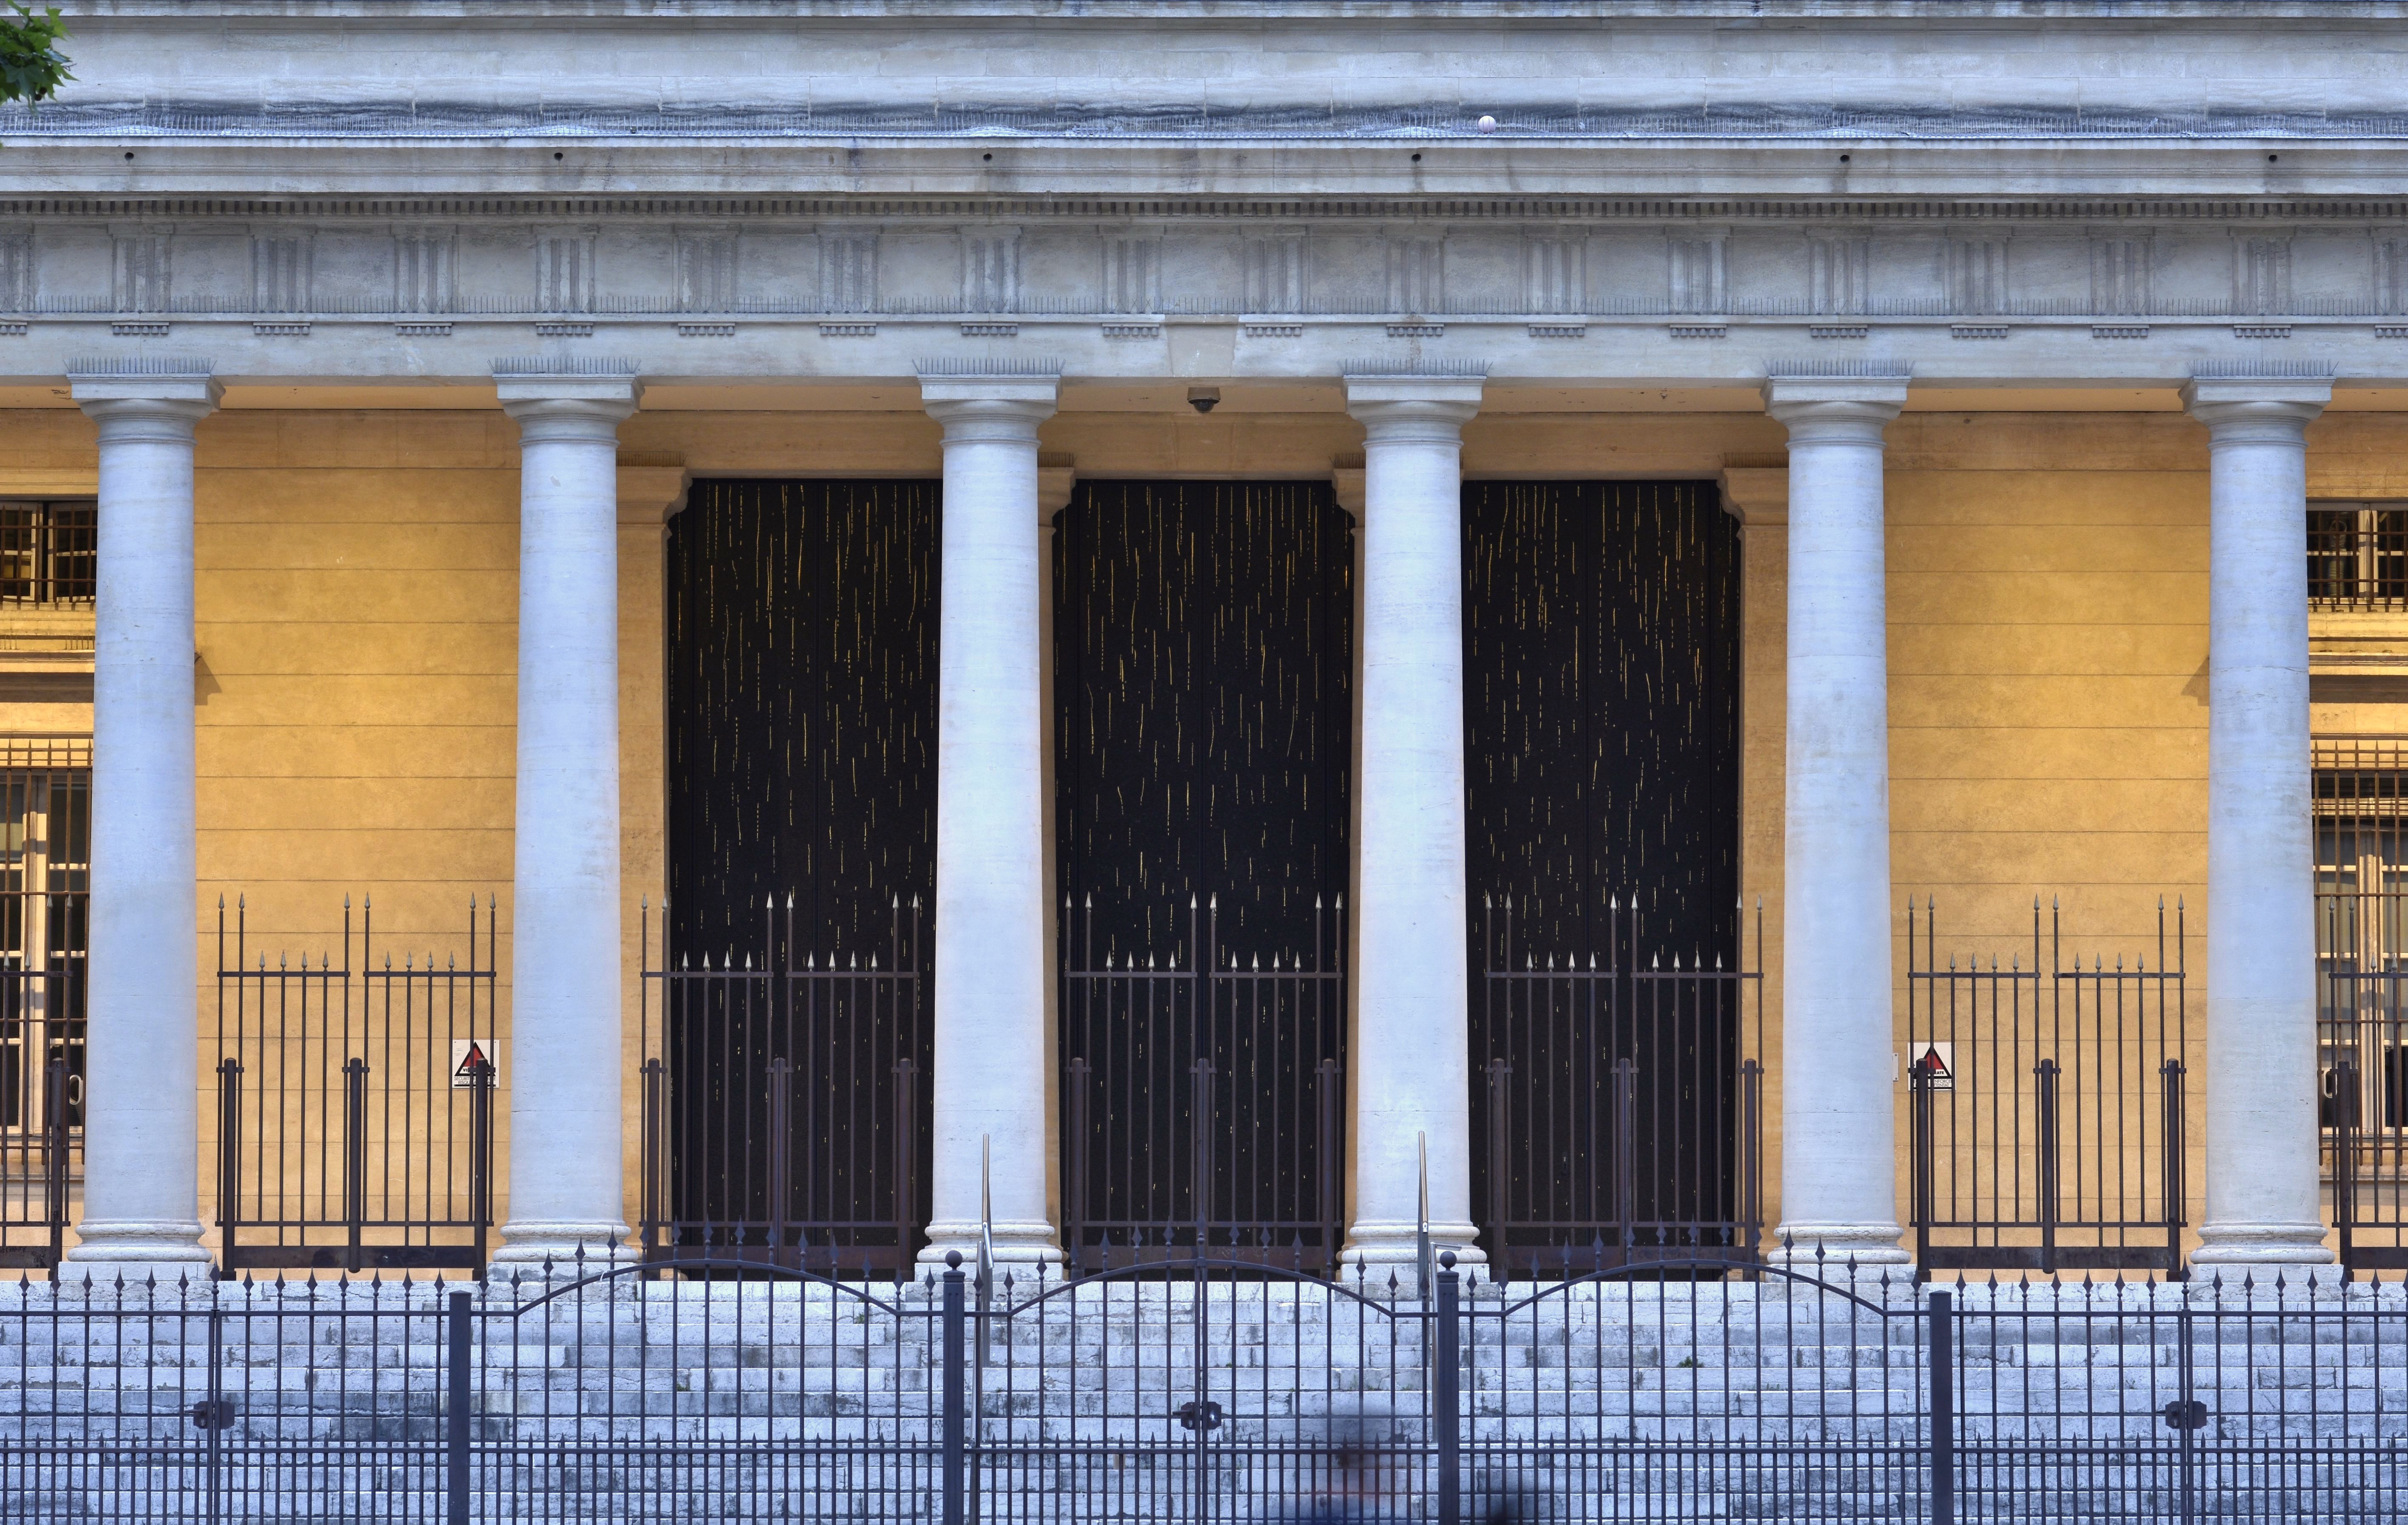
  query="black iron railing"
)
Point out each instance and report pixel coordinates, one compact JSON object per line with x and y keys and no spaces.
{"x":1203,"y":1096}
{"x":2046,"y":1105}
{"x":355,"y":1102}
{"x":785,"y":1099}
{"x":1619,"y":1096}
{"x":1208,"y":1390}
{"x":41,"y":1074}
{"x":2362,"y":1042}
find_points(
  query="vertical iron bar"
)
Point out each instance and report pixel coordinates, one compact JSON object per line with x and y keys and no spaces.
{"x":481,"y":1158}
{"x":455,"y":1428}
{"x":781,"y":1160}
{"x":1201,"y":1118}
{"x":2045,"y":1122}
{"x":1074,"y":1190}
{"x":1446,"y":1394}
{"x":229,"y":1161}
{"x":1500,"y":1075}
{"x":1919,"y":1194}
{"x":953,"y":1501}
{"x":214,"y":1391}
{"x":1332,"y":1166}
{"x":2176,"y":1188}
{"x":355,"y":1158}
{"x":54,"y":1164}
{"x":652,"y":1149}
{"x":1751,"y":1155}
{"x":907,"y":1138}
{"x":1942,"y":1358}
{"x":1625,"y":1144}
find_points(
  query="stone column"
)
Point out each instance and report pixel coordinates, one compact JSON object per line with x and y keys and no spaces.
{"x":562,"y":1058}
{"x":994,"y":957}
{"x":1412,"y":1035}
{"x":141,"y":1055}
{"x":2263,"y":1200}
{"x":1838,"y":1161}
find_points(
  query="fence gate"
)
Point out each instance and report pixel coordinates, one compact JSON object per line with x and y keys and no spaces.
{"x":2046,"y":1106}
{"x":1203,"y":1098}
{"x":1620,"y":1105}
{"x":355,"y":1103}
{"x":785,"y":1103}
{"x":46,"y":821}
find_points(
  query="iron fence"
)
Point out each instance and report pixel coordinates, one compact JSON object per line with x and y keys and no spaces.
{"x":785,"y":1106}
{"x":1708,"y":1389}
{"x":355,"y":1102}
{"x":2361,"y":841}
{"x":2045,"y":1105}
{"x":1621,"y":1105}
{"x":1203,"y":1097}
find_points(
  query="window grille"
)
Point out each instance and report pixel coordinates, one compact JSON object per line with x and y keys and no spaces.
{"x":45,"y":842}
{"x":2357,"y":555}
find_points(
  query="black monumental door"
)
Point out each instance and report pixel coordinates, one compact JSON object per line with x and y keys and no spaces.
{"x":1203,"y":724}
{"x":1608,"y":1013}
{"x":786,"y":995}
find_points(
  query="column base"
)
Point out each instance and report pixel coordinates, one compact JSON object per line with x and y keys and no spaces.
{"x":1398,"y":1246}
{"x":153,"y":1248}
{"x":1827,"y":1249}
{"x":2261,"y":1244}
{"x":567,"y":1249}
{"x":1027,"y":1242}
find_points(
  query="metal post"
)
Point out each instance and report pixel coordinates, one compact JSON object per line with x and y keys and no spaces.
{"x":355,"y":1158}
{"x":1920,"y":1193}
{"x":1942,"y":1358}
{"x":1446,"y":1392}
{"x":229,"y":1161}
{"x":1333,"y":1169}
{"x":782,"y":1153}
{"x":953,"y":1501}
{"x":2177,"y":1189}
{"x":455,"y":1417}
{"x":1422,"y":1267}
{"x":1625,"y":1146}
{"x":652,"y":1147}
{"x":1202,"y":1113}
{"x":1074,"y":1188}
{"x":481,"y":1157}
{"x":2045,"y":1159}
{"x":1751,"y":1155}
{"x":1500,"y":1178}
{"x":907,"y":1139}
{"x":54,"y":1162}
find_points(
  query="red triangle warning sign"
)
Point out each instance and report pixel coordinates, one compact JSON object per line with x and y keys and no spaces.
{"x":1933,"y":1065}
{"x":468,"y":1056}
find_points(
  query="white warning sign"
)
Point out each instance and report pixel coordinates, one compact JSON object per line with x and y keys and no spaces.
{"x":1937,"y":1064}
{"x":467,"y":1055}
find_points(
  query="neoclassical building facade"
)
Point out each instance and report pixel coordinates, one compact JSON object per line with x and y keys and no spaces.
{"x":2013,"y":395}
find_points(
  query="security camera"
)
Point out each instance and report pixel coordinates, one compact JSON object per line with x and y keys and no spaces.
{"x":1203,"y":398}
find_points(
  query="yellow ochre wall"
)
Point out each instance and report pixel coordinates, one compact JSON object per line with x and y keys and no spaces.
{"x":2048,"y":602}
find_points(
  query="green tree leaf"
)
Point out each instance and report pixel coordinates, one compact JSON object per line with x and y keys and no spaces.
{"x":31,"y":68}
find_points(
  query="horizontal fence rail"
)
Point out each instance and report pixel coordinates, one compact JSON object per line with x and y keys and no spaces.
{"x":355,"y":1101}
{"x":2047,"y":1104}
{"x":1203,"y":1096}
{"x":785,"y":1107}
{"x":1214,"y":1390}
{"x":1618,"y":1098}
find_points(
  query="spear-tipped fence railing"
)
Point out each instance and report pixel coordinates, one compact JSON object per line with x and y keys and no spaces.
{"x":1618,"y":1098}
{"x":1203,"y":1096}
{"x":2046,"y":1103}
{"x":355,"y":1101}
{"x":785,"y":1107}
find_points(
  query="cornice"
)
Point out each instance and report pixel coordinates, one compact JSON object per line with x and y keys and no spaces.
{"x":1299,"y":208}
{"x":686,"y":12}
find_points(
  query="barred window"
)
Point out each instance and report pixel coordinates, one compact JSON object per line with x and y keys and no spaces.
{"x":2357,"y":555}
{"x":48,"y":552}
{"x":2362,"y":839}
{"x":45,"y":881}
